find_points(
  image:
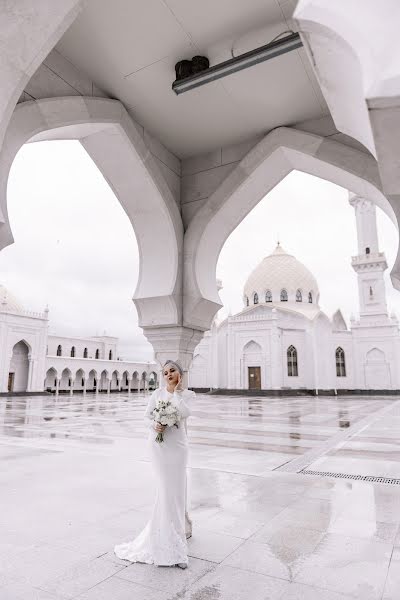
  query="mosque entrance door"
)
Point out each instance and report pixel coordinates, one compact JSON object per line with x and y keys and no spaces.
{"x":10,"y":382}
{"x":254,"y":378}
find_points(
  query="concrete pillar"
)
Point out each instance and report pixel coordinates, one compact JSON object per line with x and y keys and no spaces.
{"x":129,"y":385}
{"x":57,"y":386}
{"x":108,"y":385}
{"x":84,"y":385}
{"x":174,"y":343}
{"x":71,"y":390}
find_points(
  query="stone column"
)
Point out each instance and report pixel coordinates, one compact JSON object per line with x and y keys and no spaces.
{"x":57,"y":386}
{"x":108,"y":385}
{"x":174,"y":343}
{"x":84,"y":385}
{"x":71,"y":391}
{"x":129,"y":385}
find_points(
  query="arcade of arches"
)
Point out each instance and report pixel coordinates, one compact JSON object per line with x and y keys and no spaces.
{"x":186,"y":185}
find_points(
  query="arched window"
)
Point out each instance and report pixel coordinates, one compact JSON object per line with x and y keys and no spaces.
{"x":284,"y":297}
{"x":59,"y":350}
{"x":85,"y":353}
{"x":371,"y":292}
{"x":268,"y":296}
{"x":73,"y":351}
{"x":340,"y":363}
{"x":247,"y":301}
{"x":299,"y":297}
{"x":292,"y":361}
{"x":110,"y":355}
{"x":255,"y":298}
{"x":310,"y":297}
{"x":97,"y":354}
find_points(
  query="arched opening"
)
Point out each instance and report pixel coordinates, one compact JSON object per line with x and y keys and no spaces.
{"x":340,"y":362}
{"x":115,"y":381}
{"x":97,"y":354}
{"x":59,"y":350}
{"x":104,"y":130}
{"x":73,"y":352}
{"x":66,"y":381}
{"x":79,"y":381}
{"x":253,"y":367}
{"x":85,"y":353}
{"x":292,"y":365}
{"x":152,"y":381}
{"x":143,"y":382}
{"x":125,"y":380}
{"x":135,"y":381}
{"x":104,"y":381}
{"x":18,"y":372}
{"x":268,"y":296}
{"x":50,"y":383}
{"x":110,"y":355}
{"x":91,"y":383}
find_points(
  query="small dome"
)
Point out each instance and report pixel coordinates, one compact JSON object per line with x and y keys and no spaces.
{"x":8,"y":303}
{"x":280,"y":277}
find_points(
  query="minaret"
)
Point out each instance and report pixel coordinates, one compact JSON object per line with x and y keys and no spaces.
{"x":369,"y":264}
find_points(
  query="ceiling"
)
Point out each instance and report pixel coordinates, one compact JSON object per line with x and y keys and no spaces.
{"x":130,"y":47}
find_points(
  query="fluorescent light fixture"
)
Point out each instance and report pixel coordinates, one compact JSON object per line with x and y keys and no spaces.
{"x":243,"y":61}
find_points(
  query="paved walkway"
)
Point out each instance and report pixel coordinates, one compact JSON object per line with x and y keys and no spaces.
{"x":75,"y":480}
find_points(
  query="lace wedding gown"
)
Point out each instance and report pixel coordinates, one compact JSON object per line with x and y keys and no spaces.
{"x":163,"y":540}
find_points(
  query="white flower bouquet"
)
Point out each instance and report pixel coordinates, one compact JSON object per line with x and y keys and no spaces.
{"x":166,"y":413}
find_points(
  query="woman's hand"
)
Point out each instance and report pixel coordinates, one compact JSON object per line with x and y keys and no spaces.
{"x":158,"y":427}
{"x":178,"y":387}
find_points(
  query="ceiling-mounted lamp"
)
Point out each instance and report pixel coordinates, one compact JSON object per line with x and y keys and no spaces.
{"x":187,"y":79}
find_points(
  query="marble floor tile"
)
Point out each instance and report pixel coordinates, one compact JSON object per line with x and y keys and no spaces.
{"x":347,"y":565}
{"x":81,"y":578}
{"x":211,"y":546}
{"x":392,"y":585}
{"x":227,"y":583}
{"x":173,"y":579}
{"x":116,"y":588}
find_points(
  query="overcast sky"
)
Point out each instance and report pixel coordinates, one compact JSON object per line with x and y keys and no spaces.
{"x":75,"y":248}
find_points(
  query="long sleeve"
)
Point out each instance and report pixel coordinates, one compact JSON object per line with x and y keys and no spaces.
{"x":148,"y":419}
{"x":184,"y":401}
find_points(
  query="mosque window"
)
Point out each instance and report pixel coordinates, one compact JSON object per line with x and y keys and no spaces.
{"x":255,"y":298}
{"x":340,"y":363}
{"x":371,"y":292}
{"x":292,"y":361}
{"x":73,"y":351}
{"x":59,"y":350}
{"x":97,"y":354}
{"x":110,"y":355}
{"x":85,"y":353}
{"x":247,"y":301}
{"x":299,"y":297}
{"x":268,"y":296}
{"x":367,"y":250}
{"x":310,"y":297}
{"x":284,"y":296}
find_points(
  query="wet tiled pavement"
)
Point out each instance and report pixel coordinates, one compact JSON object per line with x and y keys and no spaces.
{"x":75,"y":480}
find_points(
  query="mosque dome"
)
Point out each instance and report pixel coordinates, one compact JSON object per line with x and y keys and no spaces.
{"x":8,"y":302}
{"x":281,"y":278}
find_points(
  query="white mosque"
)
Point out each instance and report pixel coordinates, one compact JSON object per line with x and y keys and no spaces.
{"x":32,"y":360}
{"x":281,"y":339}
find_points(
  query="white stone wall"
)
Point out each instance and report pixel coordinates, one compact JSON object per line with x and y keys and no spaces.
{"x":30,"y":328}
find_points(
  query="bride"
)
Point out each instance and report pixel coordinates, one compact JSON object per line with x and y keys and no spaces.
{"x":163,"y":540}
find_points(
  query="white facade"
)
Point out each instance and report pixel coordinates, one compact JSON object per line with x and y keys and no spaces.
{"x":31,"y":360}
{"x":282,"y":340}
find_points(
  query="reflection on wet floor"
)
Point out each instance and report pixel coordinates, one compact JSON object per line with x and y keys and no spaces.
{"x":75,"y":480}
{"x":222,"y":430}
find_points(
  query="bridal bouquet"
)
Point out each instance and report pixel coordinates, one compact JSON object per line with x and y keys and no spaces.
{"x":166,"y":413}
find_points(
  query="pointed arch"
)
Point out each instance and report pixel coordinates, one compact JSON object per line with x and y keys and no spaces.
{"x":280,"y":152}
{"x":340,"y":362}
{"x":284,"y":295}
{"x":251,"y":347}
{"x":118,"y":149}
{"x":59,"y":350}
{"x":292,"y":363}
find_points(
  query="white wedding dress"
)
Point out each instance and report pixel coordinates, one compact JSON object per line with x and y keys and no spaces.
{"x":163,"y":540}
